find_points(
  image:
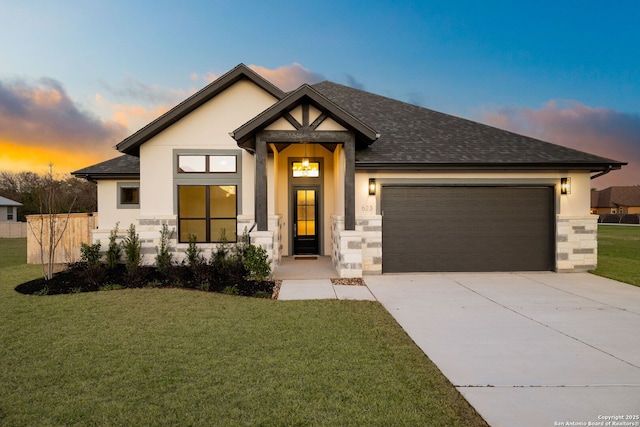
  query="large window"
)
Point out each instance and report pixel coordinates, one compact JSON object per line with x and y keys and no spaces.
{"x":208,"y":212}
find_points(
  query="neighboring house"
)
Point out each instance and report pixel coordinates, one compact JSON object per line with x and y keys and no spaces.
{"x":377,"y":184}
{"x":616,"y":201}
{"x":9,"y":209}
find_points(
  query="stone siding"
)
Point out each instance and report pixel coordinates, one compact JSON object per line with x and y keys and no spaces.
{"x":149,"y":228}
{"x":577,"y":243}
{"x":346,"y":248}
{"x":371,"y":228}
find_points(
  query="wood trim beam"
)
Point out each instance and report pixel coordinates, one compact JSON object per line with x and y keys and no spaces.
{"x":288,"y":117}
{"x":283,"y":136}
{"x":321,"y":118}
{"x":349,"y":184}
{"x":305,"y":116}
{"x":260,"y":197}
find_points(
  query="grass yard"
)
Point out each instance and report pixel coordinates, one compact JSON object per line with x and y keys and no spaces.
{"x":180,"y":357}
{"x":619,"y":253}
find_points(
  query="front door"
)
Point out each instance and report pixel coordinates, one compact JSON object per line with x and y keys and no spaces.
{"x":305,"y":221}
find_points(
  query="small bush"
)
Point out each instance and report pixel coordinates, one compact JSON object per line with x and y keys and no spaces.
{"x":90,"y":254}
{"x":114,"y":251}
{"x":256,"y":263}
{"x":164,"y":258}
{"x":194,"y":254}
{"x":132,"y":253}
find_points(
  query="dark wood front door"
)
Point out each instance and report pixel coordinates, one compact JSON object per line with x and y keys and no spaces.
{"x":305,"y":221}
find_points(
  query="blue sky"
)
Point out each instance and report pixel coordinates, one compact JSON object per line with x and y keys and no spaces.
{"x":86,"y":73}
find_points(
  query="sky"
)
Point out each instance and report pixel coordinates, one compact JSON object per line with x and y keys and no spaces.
{"x":78,"y":76}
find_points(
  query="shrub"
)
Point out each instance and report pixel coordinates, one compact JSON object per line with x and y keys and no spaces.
{"x":194,"y":254}
{"x":256,"y":263}
{"x":132,"y":252}
{"x":90,"y":254}
{"x":164,"y":258}
{"x":114,"y":251}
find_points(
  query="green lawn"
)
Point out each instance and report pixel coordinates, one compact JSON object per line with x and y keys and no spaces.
{"x":179,"y":357}
{"x":619,"y":253}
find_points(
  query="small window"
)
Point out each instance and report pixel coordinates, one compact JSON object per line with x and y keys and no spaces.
{"x":10,"y":213}
{"x":306,"y":169}
{"x":207,"y":164}
{"x":222,"y":164}
{"x":128,"y":195}
{"x":192,"y":164}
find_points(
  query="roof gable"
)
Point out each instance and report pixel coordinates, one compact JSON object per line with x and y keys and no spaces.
{"x":131,"y":145}
{"x":305,"y":94}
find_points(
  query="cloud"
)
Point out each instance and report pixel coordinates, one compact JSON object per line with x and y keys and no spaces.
{"x":352,"y":82}
{"x":135,"y":90}
{"x":288,"y":77}
{"x":41,"y":113}
{"x":601,"y":131}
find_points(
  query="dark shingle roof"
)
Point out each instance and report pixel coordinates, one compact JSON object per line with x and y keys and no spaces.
{"x":125,"y":166}
{"x":616,"y":196}
{"x":413,"y":135}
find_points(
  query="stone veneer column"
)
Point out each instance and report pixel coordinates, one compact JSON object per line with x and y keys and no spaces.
{"x":270,"y":240}
{"x":577,"y":243}
{"x":346,"y":248}
{"x":371,"y":228}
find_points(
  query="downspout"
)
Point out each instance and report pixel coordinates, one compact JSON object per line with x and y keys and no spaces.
{"x":598,"y":175}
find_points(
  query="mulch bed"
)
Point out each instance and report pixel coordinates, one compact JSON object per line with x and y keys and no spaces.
{"x":81,"y":278}
{"x":357,"y":281}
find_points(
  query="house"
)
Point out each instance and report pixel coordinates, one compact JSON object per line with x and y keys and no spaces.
{"x":616,"y":200}
{"x":377,"y":184}
{"x":9,"y":209}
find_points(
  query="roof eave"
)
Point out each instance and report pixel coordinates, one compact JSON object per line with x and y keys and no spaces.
{"x":93,"y":177}
{"x":591,"y":167}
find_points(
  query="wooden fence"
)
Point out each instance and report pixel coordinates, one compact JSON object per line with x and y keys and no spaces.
{"x":13,"y":230}
{"x":78,"y":231}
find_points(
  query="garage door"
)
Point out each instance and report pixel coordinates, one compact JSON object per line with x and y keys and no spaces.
{"x":467,"y":228}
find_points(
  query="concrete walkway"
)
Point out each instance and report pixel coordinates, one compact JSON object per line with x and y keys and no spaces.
{"x":535,"y":349}
{"x":292,"y":289}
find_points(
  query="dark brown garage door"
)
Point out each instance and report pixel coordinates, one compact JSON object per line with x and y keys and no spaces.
{"x":467,"y":228}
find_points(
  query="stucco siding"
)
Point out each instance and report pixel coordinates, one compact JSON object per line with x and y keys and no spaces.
{"x":108,"y":206}
{"x":206,"y":128}
{"x":576,"y":203}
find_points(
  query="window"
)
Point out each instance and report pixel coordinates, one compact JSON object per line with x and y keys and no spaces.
{"x":207,"y":212}
{"x":128,"y":195}
{"x":306,"y":169}
{"x":10,"y":213}
{"x":204,"y":163}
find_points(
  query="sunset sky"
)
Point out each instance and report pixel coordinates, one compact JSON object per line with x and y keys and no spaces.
{"x":77,"y":76}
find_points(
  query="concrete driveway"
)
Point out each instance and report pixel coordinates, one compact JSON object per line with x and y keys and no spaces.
{"x":527,"y":349}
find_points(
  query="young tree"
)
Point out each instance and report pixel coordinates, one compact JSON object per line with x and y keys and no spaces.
{"x":50,"y":228}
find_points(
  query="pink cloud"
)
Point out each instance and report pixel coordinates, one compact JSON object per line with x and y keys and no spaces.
{"x":41,"y":113}
{"x":601,"y":131}
{"x":288,"y":77}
